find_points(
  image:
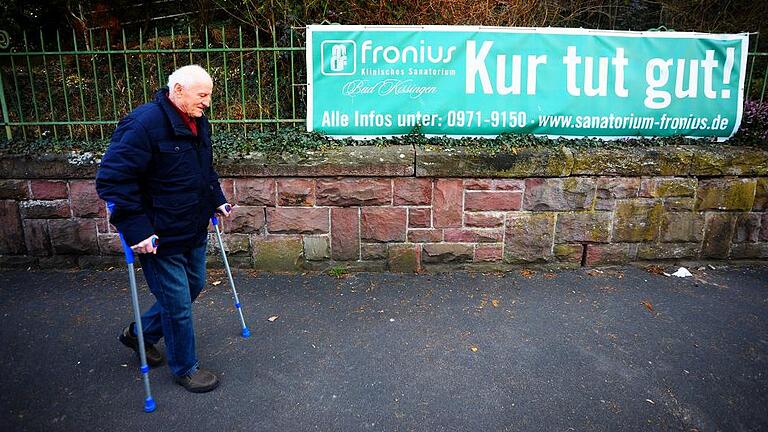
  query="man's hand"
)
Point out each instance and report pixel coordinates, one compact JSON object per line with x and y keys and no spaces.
{"x":148,"y":245}
{"x":225,"y":210}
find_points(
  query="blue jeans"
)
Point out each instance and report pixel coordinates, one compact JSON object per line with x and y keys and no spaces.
{"x":175,"y":281}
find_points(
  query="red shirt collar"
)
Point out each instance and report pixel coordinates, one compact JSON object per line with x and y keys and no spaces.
{"x":189,"y":121}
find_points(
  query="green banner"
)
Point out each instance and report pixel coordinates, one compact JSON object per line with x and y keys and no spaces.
{"x":367,"y":81}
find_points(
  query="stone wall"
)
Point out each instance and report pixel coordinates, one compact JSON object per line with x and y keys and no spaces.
{"x":405,"y":209}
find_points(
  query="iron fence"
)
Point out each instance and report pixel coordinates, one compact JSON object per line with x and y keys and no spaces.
{"x":82,"y":86}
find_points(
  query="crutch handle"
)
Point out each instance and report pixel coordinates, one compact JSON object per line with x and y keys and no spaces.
{"x":214,"y":219}
{"x":129,"y":256}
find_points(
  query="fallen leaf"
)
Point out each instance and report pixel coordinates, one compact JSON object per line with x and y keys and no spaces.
{"x":655,"y":270}
{"x":648,"y":305}
{"x":550,"y":276}
{"x":273,"y":318}
{"x":214,"y":283}
{"x":473,"y":348}
{"x":495,"y":303}
{"x":527,"y":272}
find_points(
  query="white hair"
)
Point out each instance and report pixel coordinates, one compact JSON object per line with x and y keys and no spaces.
{"x":187,"y":75}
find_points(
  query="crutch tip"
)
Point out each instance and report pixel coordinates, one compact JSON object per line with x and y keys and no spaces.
{"x":246,"y":332}
{"x":149,"y":405}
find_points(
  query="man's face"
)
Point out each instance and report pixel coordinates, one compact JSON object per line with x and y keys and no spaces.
{"x":194,"y":98}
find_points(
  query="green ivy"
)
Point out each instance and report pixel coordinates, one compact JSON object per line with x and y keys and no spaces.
{"x":292,"y":140}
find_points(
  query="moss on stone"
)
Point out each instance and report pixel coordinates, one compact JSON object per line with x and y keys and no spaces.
{"x":637,"y":220}
{"x":726,"y":194}
{"x":403,"y":259}
{"x":678,"y":187}
{"x":278,"y":254}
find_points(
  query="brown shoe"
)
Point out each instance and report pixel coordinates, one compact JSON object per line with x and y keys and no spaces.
{"x":154,"y":357}
{"x":200,"y":381}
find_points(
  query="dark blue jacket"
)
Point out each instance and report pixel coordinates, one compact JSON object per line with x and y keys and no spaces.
{"x":160,"y":177}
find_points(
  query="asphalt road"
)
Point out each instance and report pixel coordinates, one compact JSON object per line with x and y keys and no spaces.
{"x":619,"y":349}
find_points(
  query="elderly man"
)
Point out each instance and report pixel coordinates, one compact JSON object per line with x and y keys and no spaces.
{"x":158,"y":172}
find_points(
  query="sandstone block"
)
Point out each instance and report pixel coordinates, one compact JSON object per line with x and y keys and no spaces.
{"x":296,"y":192}
{"x":718,"y":234}
{"x":404,"y":258}
{"x":39,"y":209}
{"x":347,"y":192}
{"x":668,"y":187}
{"x":447,"y":203}
{"x":73,"y":236}
{"x":288,"y":220}
{"x":747,"y":229}
{"x":607,"y":254}
{"x":594,"y":227}
{"x":568,"y":253}
{"x":447,"y":253}
{"x":245,"y":219}
{"x":317,"y":248}
{"x":425,"y":235}
{"x":609,"y":189}
{"x":547,"y":194}
{"x":488,"y":253}
{"x":529,"y":237}
{"x":345,"y":234}
{"x":492,"y":200}
{"x":373,"y":251}
{"x":682,"y":227}
{"x":255,"y":191}
{"x":17,"y":189}
{"x":637,"y":220}
{"x":667,"y":251}
{"x":483,"y":220}
{"x":84,"y":200}
{"x":412,"y":191}
{"x":385,"y":224}
{"x":48,"y":189}
{"x":761,"y":195}
{"x":726,"y":194}
{"x":11,"y":231}
{"x":419,"y":217}
{"x":273,"y":254}
{"x":476,"y":235}
{"x":37,"y":237}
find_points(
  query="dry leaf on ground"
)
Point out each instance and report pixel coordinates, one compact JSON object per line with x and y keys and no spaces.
{"x":655,"y":270}
{"x":648,"y":305}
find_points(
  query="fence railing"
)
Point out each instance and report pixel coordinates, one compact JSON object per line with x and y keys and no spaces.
{"x":80,"y":85}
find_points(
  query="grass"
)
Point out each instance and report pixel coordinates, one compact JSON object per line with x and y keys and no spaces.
{"x":337,"y":271}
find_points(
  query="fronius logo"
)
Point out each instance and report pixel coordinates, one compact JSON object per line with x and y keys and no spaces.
{"x":338,"y":57}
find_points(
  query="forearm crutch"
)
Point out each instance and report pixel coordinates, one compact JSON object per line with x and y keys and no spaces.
{"x":215,"y":222}
{"x":149,"y":403}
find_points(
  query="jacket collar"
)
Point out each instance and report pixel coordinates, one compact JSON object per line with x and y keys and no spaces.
{"x":179,"y":127}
